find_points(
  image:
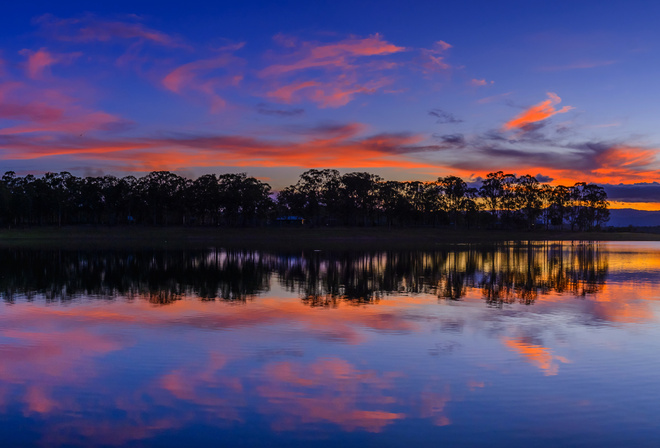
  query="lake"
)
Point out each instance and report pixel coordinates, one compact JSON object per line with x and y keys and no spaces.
{"x":542,"y":344}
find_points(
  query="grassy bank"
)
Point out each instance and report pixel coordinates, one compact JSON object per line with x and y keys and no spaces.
{"x":285,"y":238}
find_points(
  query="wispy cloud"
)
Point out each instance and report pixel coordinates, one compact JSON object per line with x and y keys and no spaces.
{"x":580,"y":65}
{"x":493,"y":98}
{"x":536,"y":113}
{"x":90,"y":28}
{"x":342,"y":54}
{"x":202,"y":77}
{"x":28,"y":109}
{"x":268,"y":109}
{"x":444,"y":117}
{"x":432,"y":60}
{"x":40,"y":61}
{"x":480,"y":82}
{"x":328,"y":74}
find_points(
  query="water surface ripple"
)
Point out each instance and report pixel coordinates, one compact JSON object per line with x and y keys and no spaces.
{"x":541,"y":344}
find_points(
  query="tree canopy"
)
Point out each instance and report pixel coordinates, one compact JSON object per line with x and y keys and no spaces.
{"x":318,"y":198}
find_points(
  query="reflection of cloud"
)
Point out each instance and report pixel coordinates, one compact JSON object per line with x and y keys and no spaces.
{"x":433,"y":407}
{"x":46,"y":361}
{"x":326,"y":391}
{"x":537,"y":355}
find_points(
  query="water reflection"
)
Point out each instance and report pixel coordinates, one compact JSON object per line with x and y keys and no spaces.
{"x":504,"y":273}
{"x":457,"y":346}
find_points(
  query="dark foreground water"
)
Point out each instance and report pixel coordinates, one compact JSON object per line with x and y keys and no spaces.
{"x":540,"y":345}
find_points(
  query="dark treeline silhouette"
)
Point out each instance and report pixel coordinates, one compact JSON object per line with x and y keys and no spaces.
{"x":501,"y":274}
{"x":319,"y":198}
{"x":325,"y":197}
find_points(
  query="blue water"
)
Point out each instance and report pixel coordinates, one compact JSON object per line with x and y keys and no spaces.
{"x":546,"y":344}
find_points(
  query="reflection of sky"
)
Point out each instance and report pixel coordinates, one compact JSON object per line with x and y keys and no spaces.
{"x":275,"y":370}
{"x":460,"y":88}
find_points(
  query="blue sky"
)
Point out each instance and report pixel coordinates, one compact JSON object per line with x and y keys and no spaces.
{"x":419,"y":90}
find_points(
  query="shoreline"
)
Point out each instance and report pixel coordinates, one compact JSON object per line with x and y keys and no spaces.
{"x":338,"y":238}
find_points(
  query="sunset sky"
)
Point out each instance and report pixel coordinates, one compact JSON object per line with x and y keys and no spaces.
{"x":567,"y":91}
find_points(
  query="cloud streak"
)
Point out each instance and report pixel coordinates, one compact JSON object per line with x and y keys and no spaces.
{"x":198,"y":77}
{"x":328,"y":74}
{"x":40,"y":61}
{"x":536,"y":113}
{"x":89,"y":28}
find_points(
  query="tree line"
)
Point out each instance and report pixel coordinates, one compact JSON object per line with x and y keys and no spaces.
{"x":318,"y":198}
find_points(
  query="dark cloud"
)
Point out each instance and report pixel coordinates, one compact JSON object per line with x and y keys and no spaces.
{"x":543,"y":178}
{"x":457,"y":140}
{"x":444,"y":117}
{"x":639,"y":192}
{"x":266,"y":109}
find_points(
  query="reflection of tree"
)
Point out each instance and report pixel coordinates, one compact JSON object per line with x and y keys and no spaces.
{"x":162,"y":276}
{"x":504,"y":274}
{"x":520,"y":274}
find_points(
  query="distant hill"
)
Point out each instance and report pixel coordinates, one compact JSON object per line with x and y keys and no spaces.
{"x":630,"y":217}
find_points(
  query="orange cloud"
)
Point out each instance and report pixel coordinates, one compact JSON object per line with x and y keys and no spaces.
{"x":340,"y":147}
{"x":538,"y":112}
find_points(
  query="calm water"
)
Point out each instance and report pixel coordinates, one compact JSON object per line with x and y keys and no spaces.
{"x":539,"y":345}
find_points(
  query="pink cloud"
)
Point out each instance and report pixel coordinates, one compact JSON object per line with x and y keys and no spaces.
{"x":329,"y":74}
{"x":198,"y":77}
{"x":326,"y":94}
{"x":341,"y":54}
{"x":433,"y":59}
{"x":480,"y":82}
{"x":29,"y":109}
{"x":286,"y":93}
{"x":40,"y":61}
